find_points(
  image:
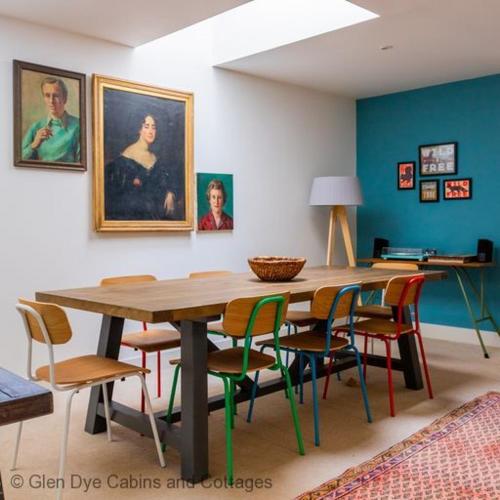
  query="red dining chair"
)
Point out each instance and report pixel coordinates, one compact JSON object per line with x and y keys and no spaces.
{"x":401,"y":292}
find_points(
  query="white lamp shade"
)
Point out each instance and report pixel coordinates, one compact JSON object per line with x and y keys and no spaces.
{"x":333,"y":191}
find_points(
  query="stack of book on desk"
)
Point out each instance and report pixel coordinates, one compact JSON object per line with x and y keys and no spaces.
{"x":451,"y":259}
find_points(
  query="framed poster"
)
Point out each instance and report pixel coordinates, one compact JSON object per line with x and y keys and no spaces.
{"x":143,"y":157}
{"x":49,"y":117}
{"x":457,"y":189}
{"x":429,"y":191}
{"x":406,"y":175}
{"x":215,"y":202}
{"x":439,"y":159}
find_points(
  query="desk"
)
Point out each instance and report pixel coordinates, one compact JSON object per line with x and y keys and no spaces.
{"x":465,"y":282}
{"x":189,"y":304}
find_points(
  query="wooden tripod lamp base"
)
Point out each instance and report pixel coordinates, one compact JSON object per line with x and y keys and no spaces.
{"x":337,"y":193}
{"x":339,"y":213}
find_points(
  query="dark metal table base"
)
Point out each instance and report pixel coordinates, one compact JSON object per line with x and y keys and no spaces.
{"x":190,"y":436}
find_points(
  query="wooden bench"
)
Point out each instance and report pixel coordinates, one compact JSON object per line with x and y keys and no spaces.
{"x":21,"y":399}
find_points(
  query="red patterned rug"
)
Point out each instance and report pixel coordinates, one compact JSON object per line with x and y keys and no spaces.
{"x":456,"y":457}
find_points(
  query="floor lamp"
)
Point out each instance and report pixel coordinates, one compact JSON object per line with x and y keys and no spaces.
{"x":337,"y":193}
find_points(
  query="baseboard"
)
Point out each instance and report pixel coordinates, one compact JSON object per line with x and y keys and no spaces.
{"x":456,"y":334}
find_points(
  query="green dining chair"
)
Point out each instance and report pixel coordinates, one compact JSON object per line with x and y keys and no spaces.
{"x":246,"y":318}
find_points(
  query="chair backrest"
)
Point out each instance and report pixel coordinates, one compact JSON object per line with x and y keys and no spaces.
{"x":238,"y":313}
{"x":403,"y":266}
{"x":324,"y":299}
{"x":54,"y":318}
{"x":209,"y":274}
{"x":127,"y":280}
{"x":404,"y":290}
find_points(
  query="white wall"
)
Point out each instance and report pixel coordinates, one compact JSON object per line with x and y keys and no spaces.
{"x":274,"y":138}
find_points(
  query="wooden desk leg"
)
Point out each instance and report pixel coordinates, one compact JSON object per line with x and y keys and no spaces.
{"x":109,"y":346}
{"x":194,"y":420}
{"x":409,"y":356}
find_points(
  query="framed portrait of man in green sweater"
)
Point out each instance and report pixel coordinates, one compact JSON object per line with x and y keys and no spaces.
{"x":49,"y":117}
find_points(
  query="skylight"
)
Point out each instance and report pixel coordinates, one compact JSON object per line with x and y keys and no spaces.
{"x":263,"y":25}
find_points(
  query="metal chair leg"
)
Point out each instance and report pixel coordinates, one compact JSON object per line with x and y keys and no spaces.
{"x":301,"y":378}
{"x":424,"y":362}
{"x":365,"y":357}
{"x":288,"y":332}
{"x":158,"y":374}
{"x":328,"y":372}
{"x":18,"y":441}
{"x":152,"y":420}
{"x":252,"y":397}
{"x":312,"y":360}
{"x":389,"y":376}
{"x":293,"y":407}
{"x":172,"y":393}
{"x":64,"y":446}
{"x":106,"y":411}
{"x":362,"y":383}
{"x":229,"y":433}
{"x":143,"y":364}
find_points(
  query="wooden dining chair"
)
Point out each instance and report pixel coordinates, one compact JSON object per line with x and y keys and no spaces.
{"x":214,"y":327}
{"x":49,"y":325}
{"x":401,"y":292}
{"x":246,"y":318}
{"x":381,"y":310}
{"x":329,"y":303}
{"x":148,"y":340}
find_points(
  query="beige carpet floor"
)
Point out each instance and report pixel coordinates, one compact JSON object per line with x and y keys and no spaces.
{"x":266,"y":461}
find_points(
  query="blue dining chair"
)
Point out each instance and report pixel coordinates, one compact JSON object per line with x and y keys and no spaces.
{"x":329,"y":303}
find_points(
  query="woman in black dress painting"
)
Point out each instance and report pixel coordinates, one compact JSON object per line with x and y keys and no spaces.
{"x":138,"y":185}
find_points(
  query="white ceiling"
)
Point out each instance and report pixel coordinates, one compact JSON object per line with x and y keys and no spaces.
{"x":128,"y":22}
{"x":434,"y":41}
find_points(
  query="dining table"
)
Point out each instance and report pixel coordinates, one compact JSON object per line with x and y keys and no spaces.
{"x":188,"y":305}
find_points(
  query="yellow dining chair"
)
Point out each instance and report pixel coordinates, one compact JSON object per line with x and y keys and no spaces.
{"x":148,"y":340}
{"x":214,"y":327}
{"x":49,"y":325}
{"x":381,"y":310}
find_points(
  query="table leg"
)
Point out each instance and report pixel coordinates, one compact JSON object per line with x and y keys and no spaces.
{"x":194,"y":423}
{"x":409,"y":355}
{"x":468,"y":303}
{"x":109,"y":346}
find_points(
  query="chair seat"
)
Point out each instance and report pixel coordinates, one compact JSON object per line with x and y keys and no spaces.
{"x":301,"y":318}
{"x":374,"y":311}
{"x":153,"y":340}
{"x":231,"y":360}
{"x":88,"y":369}
{"x":308,"y":341}
{"x":378,"y":327}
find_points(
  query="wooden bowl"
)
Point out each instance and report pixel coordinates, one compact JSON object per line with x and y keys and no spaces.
{"x":276,"y":268}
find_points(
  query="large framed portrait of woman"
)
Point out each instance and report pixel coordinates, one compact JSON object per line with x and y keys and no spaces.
{"x":143,"y":157}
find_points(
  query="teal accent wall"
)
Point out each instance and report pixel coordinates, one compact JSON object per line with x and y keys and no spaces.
{"x":389,"y":130}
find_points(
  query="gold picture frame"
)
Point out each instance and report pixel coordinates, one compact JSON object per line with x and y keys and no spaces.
{"x":143,"y":157}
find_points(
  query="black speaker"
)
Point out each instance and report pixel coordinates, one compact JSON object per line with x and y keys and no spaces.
{"x":484,"y":250}
{"x":378,"y":244}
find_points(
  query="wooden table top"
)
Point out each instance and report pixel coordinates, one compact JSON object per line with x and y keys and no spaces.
{"x":174,"y":300}
{"x":21,"y":399}
{"x":430,"y":264}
